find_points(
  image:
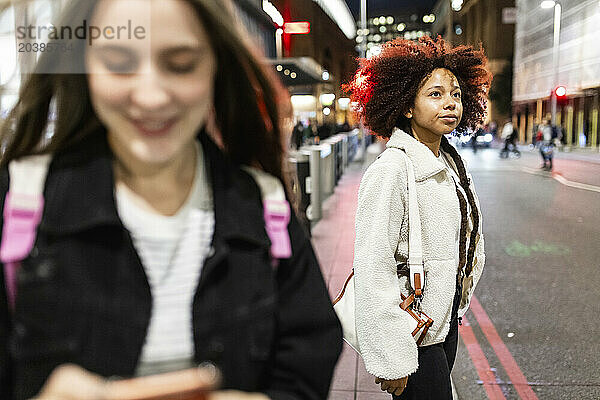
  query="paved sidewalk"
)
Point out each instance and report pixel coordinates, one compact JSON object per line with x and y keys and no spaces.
{"x":333,"y":239}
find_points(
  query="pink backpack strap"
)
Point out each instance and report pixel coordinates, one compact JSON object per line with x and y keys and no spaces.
{"x":23,"y":209}
{"x":277,"y":213}
{"x":277,"y":217}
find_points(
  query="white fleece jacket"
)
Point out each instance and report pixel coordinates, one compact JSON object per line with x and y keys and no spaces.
{"x":385,"y":340}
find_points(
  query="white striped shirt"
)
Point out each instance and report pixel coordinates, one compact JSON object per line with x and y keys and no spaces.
{"x":172,"y":250}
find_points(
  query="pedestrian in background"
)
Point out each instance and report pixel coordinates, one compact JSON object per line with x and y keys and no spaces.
{"x":493,"y":127}
{"x":547,"y":144}
{"x":297,"y":132}
{"x":538,"y":134}
{"x":414,"y":94}
{"x":507,"y":130}
{"x":152,"y":253}
{"x":509,"y":135}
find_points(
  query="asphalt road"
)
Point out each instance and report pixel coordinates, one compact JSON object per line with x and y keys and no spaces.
{"x":541,"y":283}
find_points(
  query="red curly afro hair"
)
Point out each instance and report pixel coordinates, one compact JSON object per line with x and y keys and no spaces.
{"x":385,"y":86}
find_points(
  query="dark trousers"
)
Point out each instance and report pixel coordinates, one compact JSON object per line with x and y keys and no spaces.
{"x":432,"y":380}
{"x":547,"y":150}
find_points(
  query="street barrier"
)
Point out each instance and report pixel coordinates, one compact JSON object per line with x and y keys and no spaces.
{"x":352,"y":144}
{"x":315,"y":171}
{"x":336,"y":143}
{"x":299,"y":176}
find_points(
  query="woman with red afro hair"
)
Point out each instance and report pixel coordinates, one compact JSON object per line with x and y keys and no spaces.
{"x":415,"y":93}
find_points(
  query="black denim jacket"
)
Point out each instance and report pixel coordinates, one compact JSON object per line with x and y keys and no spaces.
{"x":83,"y":296}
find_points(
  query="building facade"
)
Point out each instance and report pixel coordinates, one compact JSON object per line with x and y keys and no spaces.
{"x":251,"y":15}
{"x":383,"y":28}
{"x":490,"y":23}
{"x":578,"y":69}
{"x":313,"y":66}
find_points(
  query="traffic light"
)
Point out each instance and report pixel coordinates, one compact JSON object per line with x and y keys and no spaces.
{"x":561,"y":95}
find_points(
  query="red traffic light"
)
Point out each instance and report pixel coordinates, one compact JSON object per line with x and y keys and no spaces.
{"x":560,"y":91}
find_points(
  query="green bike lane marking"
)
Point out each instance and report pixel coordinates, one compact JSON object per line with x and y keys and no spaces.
{"x":521,"y":250}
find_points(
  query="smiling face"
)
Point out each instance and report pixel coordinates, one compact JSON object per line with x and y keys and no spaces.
{"x":438,"y":106}
{"x":153,"y":95}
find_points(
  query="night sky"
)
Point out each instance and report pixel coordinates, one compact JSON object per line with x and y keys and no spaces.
{"x":377,"y":7}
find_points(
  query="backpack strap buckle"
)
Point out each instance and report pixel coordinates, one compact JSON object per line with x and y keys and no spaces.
{"x":277,"y":216}
{"x":22,"y":215}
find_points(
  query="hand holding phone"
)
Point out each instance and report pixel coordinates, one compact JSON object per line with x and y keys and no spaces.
{"x":71,"y":382}
{"x":188,"y":384}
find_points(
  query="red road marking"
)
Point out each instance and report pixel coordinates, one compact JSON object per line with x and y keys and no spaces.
{"x":481,"y":363}
{"x":506,"y":359}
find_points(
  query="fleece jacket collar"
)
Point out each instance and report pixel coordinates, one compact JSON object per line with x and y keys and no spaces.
{"x":424,"y":161}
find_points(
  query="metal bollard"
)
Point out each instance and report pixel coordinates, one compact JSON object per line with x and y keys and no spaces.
{"x":345,"y":152}
{"x":300,"y":168}
{"x":314,"y":210}
{"x":328,"y":172}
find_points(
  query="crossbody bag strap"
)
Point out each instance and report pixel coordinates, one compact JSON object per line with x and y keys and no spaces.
{"x":23,"y":209}
{"x":276,"y":212}
{"x":415,"y":244}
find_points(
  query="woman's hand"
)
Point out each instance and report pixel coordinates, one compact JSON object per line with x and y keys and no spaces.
{"x":236,"y":395}
{"x":71,"y":382}
{"x":394,"y":386}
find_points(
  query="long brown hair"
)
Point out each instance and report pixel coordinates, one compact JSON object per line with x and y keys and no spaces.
{"x":245,"y":96}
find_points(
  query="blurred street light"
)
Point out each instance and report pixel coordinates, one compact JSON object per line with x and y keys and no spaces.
{"x":343,"y":103}
{"x":327,"y":99}
{"x":457,"y":5}
{"x":555,"y":50}
{"x":548,"y":4}
{"x":363,"y":26}
{"x":429,"y":19}
{"x":272,"y":12}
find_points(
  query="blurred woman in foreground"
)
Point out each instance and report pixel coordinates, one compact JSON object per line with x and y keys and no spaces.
{"x":152,"y":254}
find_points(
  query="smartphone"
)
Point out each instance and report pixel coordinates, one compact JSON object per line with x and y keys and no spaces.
{"x":187,"y":384}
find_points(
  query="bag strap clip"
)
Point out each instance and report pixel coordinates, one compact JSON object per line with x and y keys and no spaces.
{"x":277,"y":217}
{"x":23,"y":210}
{"x":277,"y":213}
